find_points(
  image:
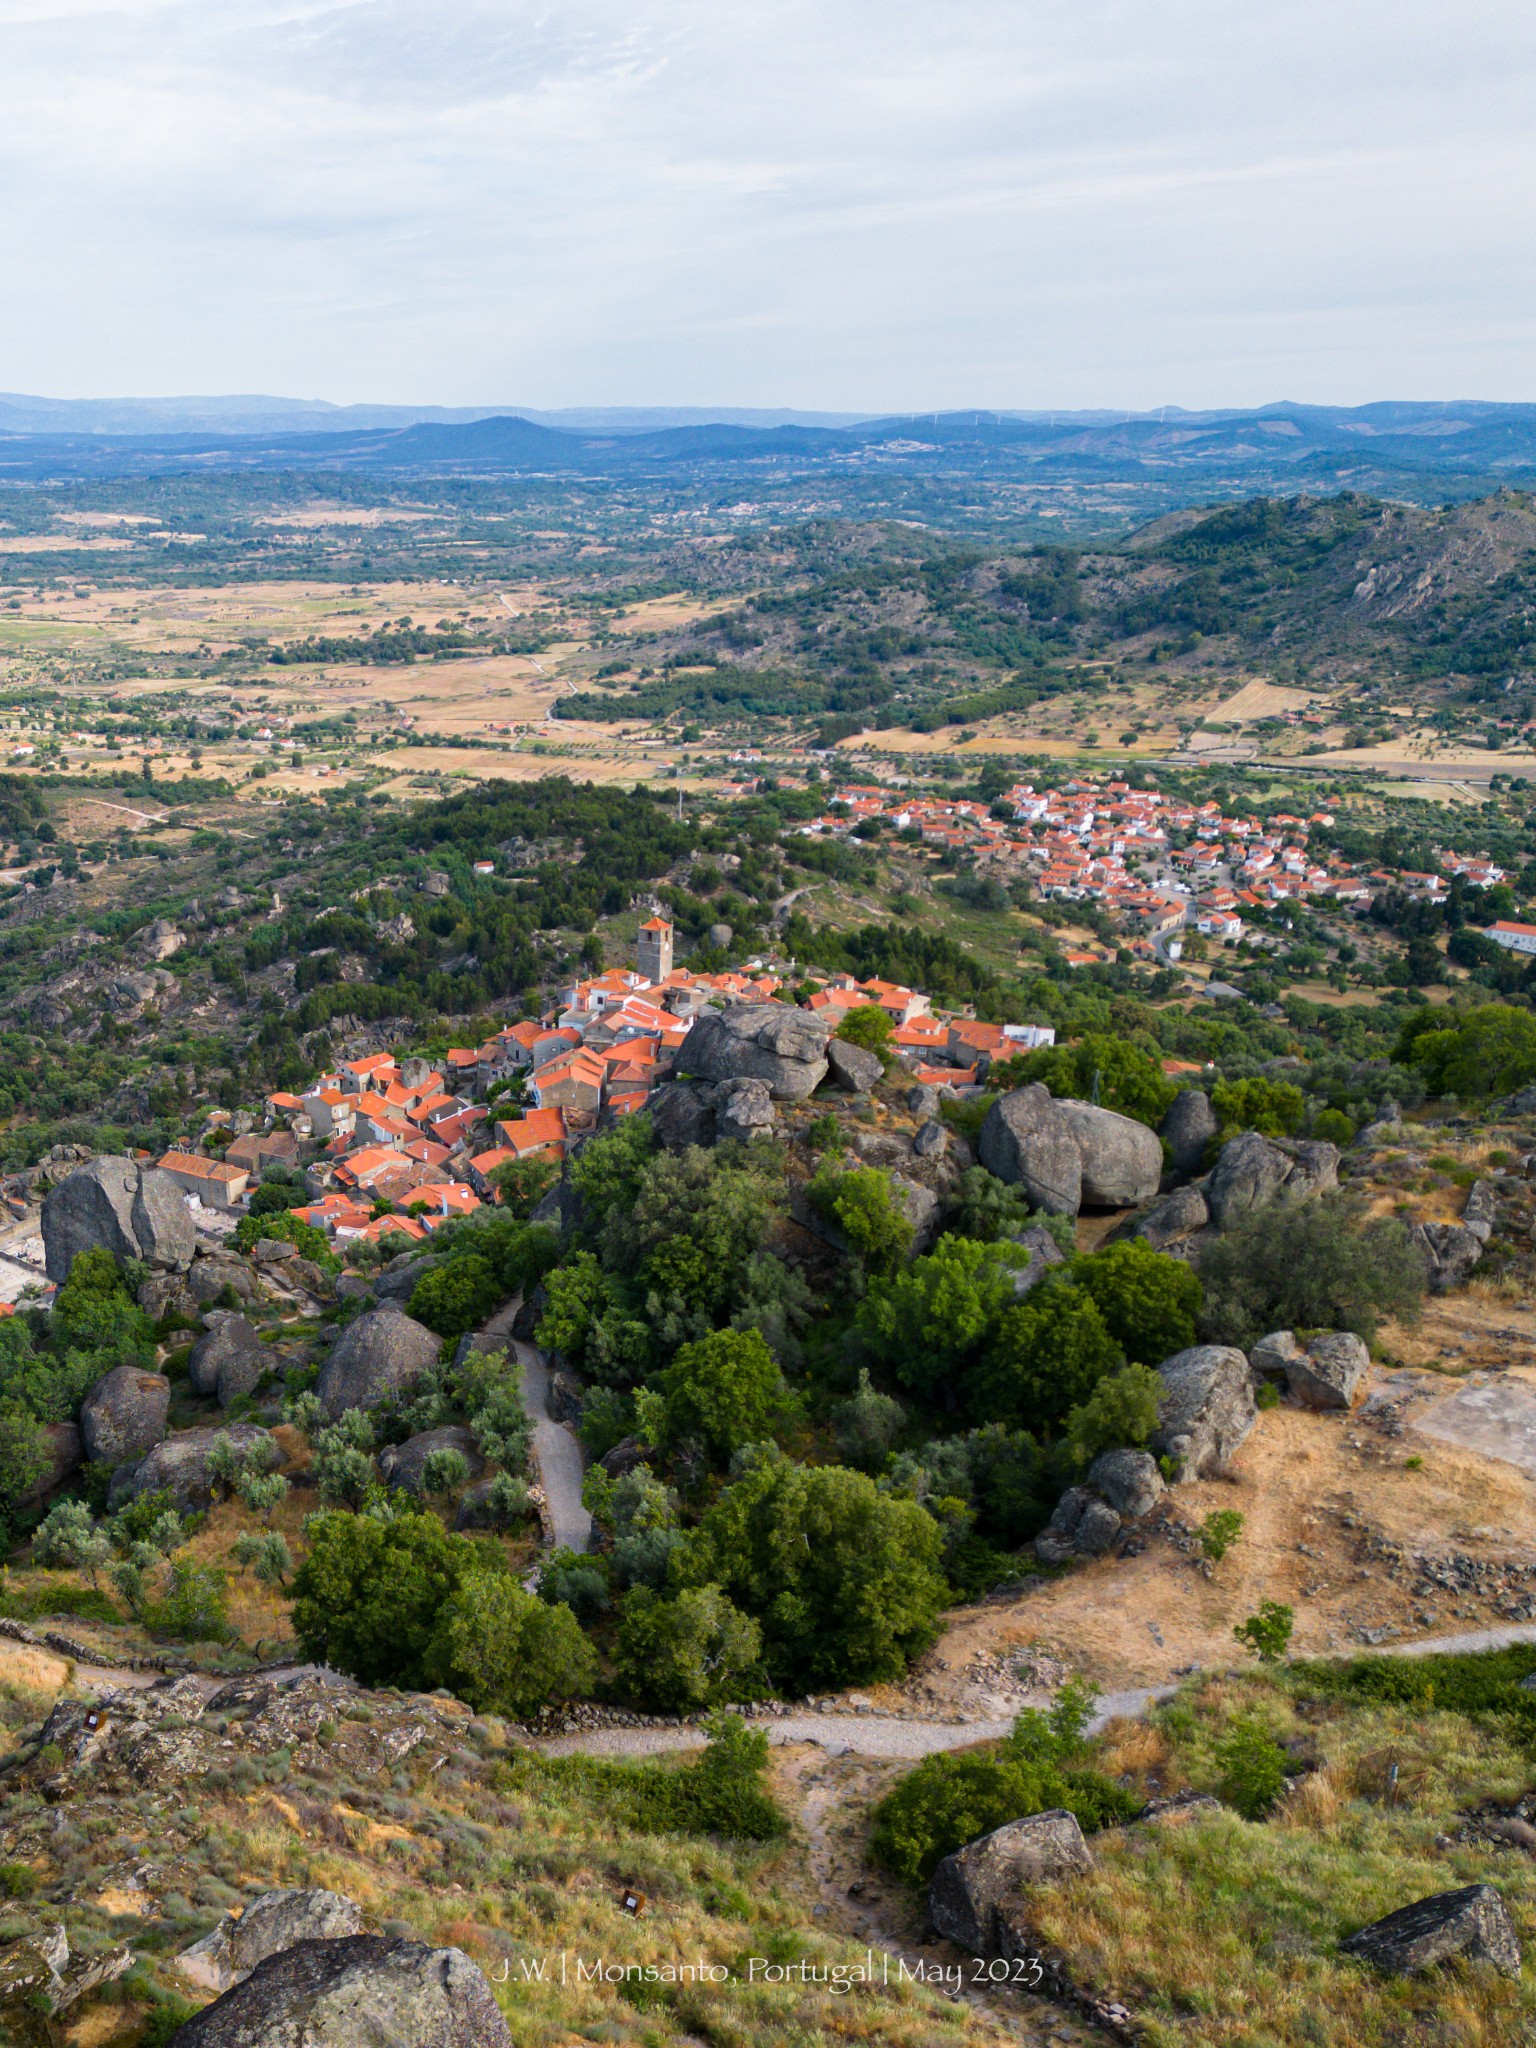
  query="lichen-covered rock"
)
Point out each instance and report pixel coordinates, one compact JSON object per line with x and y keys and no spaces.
{"x":210,"y":1278}
{"x":1122,"y":1161}
{"x":985,"y":1878}
{"x":1250,"y":1172}
{"x":1044,"y":1252}
{"x":228,"y":1360}
{"x":132,"y":1211}
{"x":743,"y":1110}
{"x":682,"y":1113}
{"x":923,"y":1101}
{"x":922,"y":1209}
{"x":358,"y":1991}
{"x":1480,"y":1212}
{"x":854,"y":1068}
{"x":1472,"y":1922}
{"x":1082,"y":1525}
{"x":124,"y":1414}
{"x":1128,"y":1480}
{"x":268,"y":1925}
{"x":1314,"y":1168}
{"x":1207,"y":1410}
{"x":383,"y":1352}
{"x":1176,"y":1217}
{"x":771,"y":1042}
{"x":1271,"y":1358}
{"x":397,"y":1281}
{"x":180,"y":1465}
{"x":1026,"y":1141}
{"x":404,"y":1464}
{"x":930,"y":1140}
{"x":1449,"y":1252}
{"x":1328,"y":1370}
{"x":1188,"y":1128}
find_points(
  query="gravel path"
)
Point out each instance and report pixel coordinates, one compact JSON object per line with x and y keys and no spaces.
{"x":555,"y":1449}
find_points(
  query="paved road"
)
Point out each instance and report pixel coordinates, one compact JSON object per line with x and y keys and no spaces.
{"x":555,"y":1449}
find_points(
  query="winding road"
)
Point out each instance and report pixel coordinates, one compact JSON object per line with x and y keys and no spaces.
{"x":555,"y":1449}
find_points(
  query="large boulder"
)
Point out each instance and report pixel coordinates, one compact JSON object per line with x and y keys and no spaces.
{"x":112,"y":1203}
{"x":1328,"y":1370}
{"x":383,"y":1352}
{"x":124,"y":1414}
{"x":853,"y":1067}
{"x":1472,"y":1922}
{"x":1273,"y":1356}
{"x":744,"y":1110}
{"x":1026,"y":1141}
{"x":397,"y":1281}
{"x":1128,"y":1480}
{"x":1121,"y":1159}
{"x":770,"y":1042}
{"x":1253,"y":1170}
{"x":228,"y":1360}
{"x":1082,"y":1525}
{"x":682,"y":1114}
{"x":922,"y":1209}
{"x":357,"y":1991}
{"x":971,"y":1888}
{"x":404,"y":1464}
{"x":267,"y":1926}
{"x":181,"y":1465}
{"x":1250,"y":1172}
{"x":210,"y":1279}
{"x":1449,"y":1252}
{"x":1177,"y":1216}
{"x":1188,"y":1128}
{"x":1207,"y":1409}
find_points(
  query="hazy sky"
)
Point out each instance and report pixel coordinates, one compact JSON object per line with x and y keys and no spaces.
{"x":842,"y":203}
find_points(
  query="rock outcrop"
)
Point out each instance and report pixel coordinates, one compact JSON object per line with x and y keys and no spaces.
{"x":1122,"y":1161}
{"x":267,"y":1926}
{"x":354,"y":1992}
{"x":212,"y":1278}
{"x":1449,"y":1252}
{"x":854,"y":1068}
{"x":1187,"y":1130}
{"x":1176,"y":1217}
{"x":383,"y":1352}
{"x":1044,"y":1252}
{"x":1026,"y":1141}
{"x":397,"y":1281}
{"x":112,"y":1203}
{"x":124,"y":1414}
{"x":1081,"y":1526}
{"x":1329,"y":1369}
{"x":770,"y":1042}
{"x":228,"y":1360}
{"x":404,"y":1464}
{"x":743,"y":1110}
{"x":1472,"y":1922}
{"x":982,"y":1881}
{"x":180,"y":1465}
{"x":1207,"y":1409}
{"x":1253,"y":1170}
{"x":1129,"y":1481}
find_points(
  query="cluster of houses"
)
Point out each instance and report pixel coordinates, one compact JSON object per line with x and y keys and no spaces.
{"x":1084,"y":842}
{"x":393,"y":1145}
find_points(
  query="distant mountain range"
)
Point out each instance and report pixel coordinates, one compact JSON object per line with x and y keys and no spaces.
{"x":1291,"y":446}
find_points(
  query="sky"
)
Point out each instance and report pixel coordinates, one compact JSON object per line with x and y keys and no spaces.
{"x":871,"y":205}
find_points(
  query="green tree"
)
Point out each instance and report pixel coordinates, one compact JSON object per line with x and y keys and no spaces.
{"x":523,"y":1183}
{"x":370,"y":1594}
{"x":456,"y":1298}
{"x":722,"y":1392}
{"x":1149,"y":1301}
{"x":845,"y":1580}
{"x":1253,"y":1768}
{"x":1488,"y":1051}
{"x":862,"y":1205}
{"x":689,"y":1651}
{"x":932,"y":1322}
{"x":1052,"y":1350}
{"x":1120,"y":1414}
{"x":1316,"y":1265}
{"x":606,"y":1174}
{"x":24,"y":1457}
{"x":1273,"y":1108}
{"x":506,"y":1652}
{"x":1098,"y":1068}
{"x":870,"y":1027}
{"x":867,"y":1424}
{"x":1218,"y":1532}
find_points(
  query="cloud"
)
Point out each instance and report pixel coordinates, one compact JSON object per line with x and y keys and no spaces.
{"x":854,"y":203}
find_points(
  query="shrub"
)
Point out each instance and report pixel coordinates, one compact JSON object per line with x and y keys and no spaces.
{"x":1253,"y":1768}
{"x":444,"y":1472}
{"x":194,"y":1607}
{"x":456,"y":1298}
{"x":1097,"y":1068}
{"x":574,"y":1579}
{"x":267,"y":1556}
{"x":1268,"y":1632}
{"x":722,"y":1794}
{"x":932,"y":1322}
{"x":1274,"y":1108}
{"x":368,"y":1597}
{"x":861,"y":1205}
{"x":505,"y":1652}
{"x":1052,"y":1350}
{"x":1308,"y":1266}
{"x":1120,"y":1414}
{"x":690,"y":1651}
{"x":1333,"y":1127}
{"x":1218,"y":1532}
{"x":307,"y":1239}
{"x":523,"y":1183}
{"x":1149,"y":1301}
{"x":867,"y":1424}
